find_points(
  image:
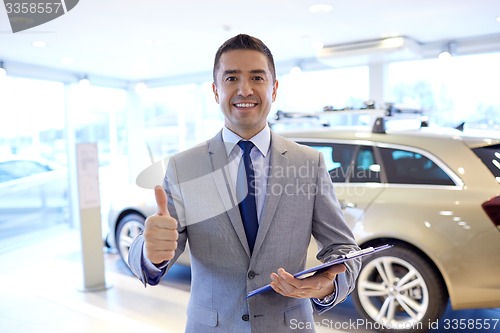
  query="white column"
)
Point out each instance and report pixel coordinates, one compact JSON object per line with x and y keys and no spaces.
{"x":137,"y":145}
{"x":70,"y":140}
{"x":377,"y":83}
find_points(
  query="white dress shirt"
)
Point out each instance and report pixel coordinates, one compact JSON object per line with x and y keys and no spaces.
{"x":260,"y":156}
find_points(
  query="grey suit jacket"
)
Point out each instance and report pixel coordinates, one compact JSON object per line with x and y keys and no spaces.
{"x":300,"y":202}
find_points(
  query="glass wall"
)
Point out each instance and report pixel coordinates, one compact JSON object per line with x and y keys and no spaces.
{"x":132,"y":128}
{"x":98,"y":115}
{"x":315,"y":91}
{"x":450,"y":91}
{"x":33,"y":159}
{"x":179,"y":117}
{"x":35,"y":145}
{"x":312,"y":91}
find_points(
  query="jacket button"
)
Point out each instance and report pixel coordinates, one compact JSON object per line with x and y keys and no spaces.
{"x":245,"y":317}
{"x":251,"y":274}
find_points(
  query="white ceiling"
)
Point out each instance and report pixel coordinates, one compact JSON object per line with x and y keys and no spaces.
{"x":151,"y":39}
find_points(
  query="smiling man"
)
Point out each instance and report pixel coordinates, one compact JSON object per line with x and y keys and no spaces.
{"x":263,"y":232}
{"x":244,"y":85}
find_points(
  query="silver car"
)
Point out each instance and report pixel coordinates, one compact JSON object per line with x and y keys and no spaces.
{"x":28,"y":184}
{"x":432,"y":193}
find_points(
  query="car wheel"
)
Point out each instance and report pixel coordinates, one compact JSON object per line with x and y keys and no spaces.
{"x":399,"y":290}
{"x":129,"y":227}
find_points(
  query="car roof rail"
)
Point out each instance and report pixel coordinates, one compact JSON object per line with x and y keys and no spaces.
{"x":287,"y":117}
{"x":280,"y":115}
{"x":380,"y":124}
{"x":394,"y":109}
{"x":377,"y":117}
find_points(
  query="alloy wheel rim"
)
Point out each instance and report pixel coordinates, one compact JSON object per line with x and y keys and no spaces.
{"x":393,"y":292}
{"x":128,"y":233}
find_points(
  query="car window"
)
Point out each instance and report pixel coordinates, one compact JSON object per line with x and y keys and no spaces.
{"x":490,"y":155}
{"x":5,"y":175}
{"x":338,"y":157}
{"x":366,"y":170}
{"x":408,"y":167}
{"x":17,"y":169}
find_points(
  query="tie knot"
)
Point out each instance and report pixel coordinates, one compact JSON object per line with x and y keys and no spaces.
{"x":246,"y":146}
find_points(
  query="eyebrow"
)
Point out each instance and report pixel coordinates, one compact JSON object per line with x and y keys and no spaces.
{"x":237,"y":71}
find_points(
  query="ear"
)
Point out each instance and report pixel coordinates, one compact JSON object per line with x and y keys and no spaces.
{"x":275,"y":89}
{"x":216,"y":94}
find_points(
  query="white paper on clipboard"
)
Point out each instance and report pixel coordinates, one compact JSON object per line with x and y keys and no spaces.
{"x":339,"y":260}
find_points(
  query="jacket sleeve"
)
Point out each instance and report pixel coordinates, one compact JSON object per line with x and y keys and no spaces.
{"x":333,"y":235}
{"x":145,"y":270}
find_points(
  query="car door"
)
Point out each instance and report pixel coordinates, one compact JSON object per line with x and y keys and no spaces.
{"x":355,"y":173}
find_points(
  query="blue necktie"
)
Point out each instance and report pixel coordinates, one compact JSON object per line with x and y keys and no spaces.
{"x":248,"y":207}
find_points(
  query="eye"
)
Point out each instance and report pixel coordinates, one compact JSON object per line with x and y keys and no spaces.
{"x":230,"y":78}
{"x":258,"y":78}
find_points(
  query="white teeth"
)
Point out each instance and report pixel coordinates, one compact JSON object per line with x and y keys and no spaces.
{"x":244,"y":105}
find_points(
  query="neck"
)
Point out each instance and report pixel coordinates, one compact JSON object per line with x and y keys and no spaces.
{"x":246,"y":134}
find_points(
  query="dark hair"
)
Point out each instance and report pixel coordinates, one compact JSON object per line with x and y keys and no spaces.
{"x":245,"y":42}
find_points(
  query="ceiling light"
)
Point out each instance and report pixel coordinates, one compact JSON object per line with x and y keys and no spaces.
{"x":320,"y":8}
{"x":391,"y":34}
{"x":448,"y":51}
{"x":298,"y":68}
{"x":84,"y":81}
{"x":3,"y":72}
{"x":317,"y":45}
{"x":444,"y":55}
{"x":141,"y":88}
{"x":295,"y":70}
{"x":39,"y":44}
{"x":68,"y":61}
{"x":155,"y":42}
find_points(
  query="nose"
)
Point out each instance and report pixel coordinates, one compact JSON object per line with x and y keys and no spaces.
{"x":245,"y":88}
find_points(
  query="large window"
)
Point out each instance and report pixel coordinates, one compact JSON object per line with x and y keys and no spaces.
{"x":98,"y":114}
{"x":34,"y":182}
{"x":33,"y":119}
{"x":133,"y":128}
{"x":312,"y":91}
{"x":179,"y":117}
{"x":450,"y":91}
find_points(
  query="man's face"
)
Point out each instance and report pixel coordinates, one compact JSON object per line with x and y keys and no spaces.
{"x":245,"y":89}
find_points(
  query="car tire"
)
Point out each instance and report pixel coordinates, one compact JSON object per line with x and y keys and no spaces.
{"x":398,"y":290}
{"x":129,"y":227}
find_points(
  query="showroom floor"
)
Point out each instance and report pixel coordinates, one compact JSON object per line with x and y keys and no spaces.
{"x":41,"y":288}
{"x":41,"y":291}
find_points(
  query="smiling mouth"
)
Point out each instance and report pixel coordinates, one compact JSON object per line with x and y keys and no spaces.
{"x":245,"y":105}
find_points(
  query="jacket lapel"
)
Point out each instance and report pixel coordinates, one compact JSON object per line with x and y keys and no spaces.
{"x":276,"y":180}
{"x":220,"y":173}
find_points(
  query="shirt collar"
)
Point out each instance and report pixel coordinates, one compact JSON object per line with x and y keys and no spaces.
{"x":261,"y":140}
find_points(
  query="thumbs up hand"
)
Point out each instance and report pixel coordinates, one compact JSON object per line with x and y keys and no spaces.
{"x":160,"y":231}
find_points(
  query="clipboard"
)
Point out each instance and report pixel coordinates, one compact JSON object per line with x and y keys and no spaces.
{"x":339,"y":260}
